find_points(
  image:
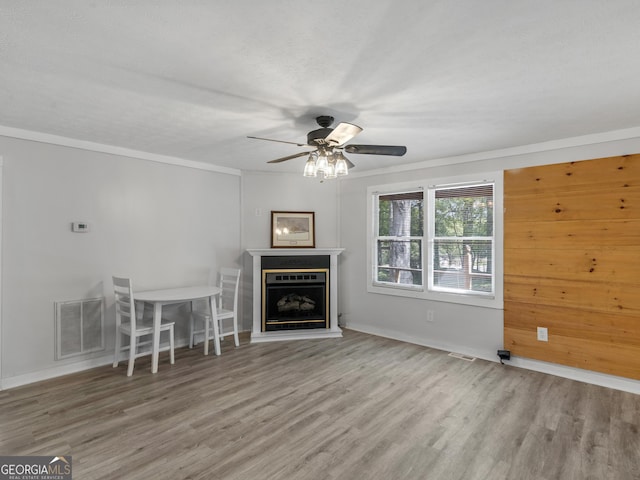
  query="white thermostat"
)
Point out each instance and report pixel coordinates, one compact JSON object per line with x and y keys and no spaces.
{"x":80,"y":227}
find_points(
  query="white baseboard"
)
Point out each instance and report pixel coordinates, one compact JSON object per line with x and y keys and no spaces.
{"x":382,"y":332}
{"x":586,"y":376}
{"x":58,"y":371}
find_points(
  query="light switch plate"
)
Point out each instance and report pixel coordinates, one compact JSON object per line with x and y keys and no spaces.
{"x":80,"y":227}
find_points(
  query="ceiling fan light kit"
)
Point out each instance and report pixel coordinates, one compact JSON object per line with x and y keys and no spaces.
{"x":327,"y":159}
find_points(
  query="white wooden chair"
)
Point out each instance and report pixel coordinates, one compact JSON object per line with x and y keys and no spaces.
{"x":134,"y":326}
{"x":227,"y":309}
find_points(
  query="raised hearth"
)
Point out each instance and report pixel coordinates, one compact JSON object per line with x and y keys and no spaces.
{"x":295,"y":293}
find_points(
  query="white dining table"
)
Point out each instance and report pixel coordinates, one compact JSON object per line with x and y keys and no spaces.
{"x":172,"y":296}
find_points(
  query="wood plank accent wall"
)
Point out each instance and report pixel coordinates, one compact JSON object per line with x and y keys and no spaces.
{"x":572,"y":263}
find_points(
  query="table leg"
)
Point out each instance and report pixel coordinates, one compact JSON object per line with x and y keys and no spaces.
{"x":155,"y":348}
{"x":214,"y":318}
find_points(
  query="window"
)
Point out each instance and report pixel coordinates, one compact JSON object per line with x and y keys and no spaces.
{"x":399,"y":239}
{"x":461,"y":239}
{"x":437,"y":240}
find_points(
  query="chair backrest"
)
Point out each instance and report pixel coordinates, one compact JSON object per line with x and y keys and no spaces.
{"x":229,"y":284}
{"x":125,"y":304}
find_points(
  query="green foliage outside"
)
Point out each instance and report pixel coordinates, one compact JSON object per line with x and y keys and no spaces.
{"x":463,"y":217}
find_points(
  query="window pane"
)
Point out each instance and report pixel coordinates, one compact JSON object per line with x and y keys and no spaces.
{"x":463,"y":264}
{"x":399,"y":255}
{"x":469,"y":216}
{"x":400,"y":261}
{"x":400,"y":215}
{"x":462,"y":242}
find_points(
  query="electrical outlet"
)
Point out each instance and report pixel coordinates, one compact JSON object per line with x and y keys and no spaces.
{"x":429,"y":315}
{"x":543,"y":334}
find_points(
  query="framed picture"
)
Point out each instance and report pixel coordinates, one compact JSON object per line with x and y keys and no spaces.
{"x":293,"y":230}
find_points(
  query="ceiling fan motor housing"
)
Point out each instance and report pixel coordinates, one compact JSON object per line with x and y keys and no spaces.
{"x":313,"y":137}
{"x":316,"y":137}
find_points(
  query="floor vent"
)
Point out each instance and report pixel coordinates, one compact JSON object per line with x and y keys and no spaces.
{"x":79,"y":327}
{"x":462,"y":357}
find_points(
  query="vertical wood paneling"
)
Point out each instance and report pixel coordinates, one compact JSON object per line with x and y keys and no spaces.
{"x":572,"y":263}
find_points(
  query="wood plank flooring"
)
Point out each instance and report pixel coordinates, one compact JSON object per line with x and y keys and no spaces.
{"x":360,"y":407}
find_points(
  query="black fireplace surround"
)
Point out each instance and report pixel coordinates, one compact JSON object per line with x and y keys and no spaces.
{"x":295,"y":292}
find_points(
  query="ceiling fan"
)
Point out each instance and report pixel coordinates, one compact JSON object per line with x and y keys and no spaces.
{"x":329,"y":143}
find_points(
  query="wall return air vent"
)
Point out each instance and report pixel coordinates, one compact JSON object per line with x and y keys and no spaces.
{"x":79,"y":327}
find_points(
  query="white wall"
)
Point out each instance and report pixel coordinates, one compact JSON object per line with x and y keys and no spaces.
{"x":161,"y":224}
{"x":264,"y":192}
{"x":463,"y":329}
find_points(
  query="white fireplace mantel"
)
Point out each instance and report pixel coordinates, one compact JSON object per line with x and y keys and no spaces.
{"x":257,"y":335}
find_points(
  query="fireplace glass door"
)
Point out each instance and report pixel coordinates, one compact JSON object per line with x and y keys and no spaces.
{"x":295,"y":299}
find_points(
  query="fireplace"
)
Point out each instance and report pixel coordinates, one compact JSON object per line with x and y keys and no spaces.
{"x":295,"y":299}
{"x":295,"y":293}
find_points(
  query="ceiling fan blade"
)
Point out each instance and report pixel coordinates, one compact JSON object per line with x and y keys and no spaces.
{"x":342,"y":133}
{"x":395,"y":150}
{"x":279,"y":141}
{"x":290,"y":157}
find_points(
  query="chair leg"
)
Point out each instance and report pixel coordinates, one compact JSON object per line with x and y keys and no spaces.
{"x":133,"y":342}
{"x":171,"y":354}
{"x":206,"y":335}
{"x":116,"y":356}
{"x":235,"y":329}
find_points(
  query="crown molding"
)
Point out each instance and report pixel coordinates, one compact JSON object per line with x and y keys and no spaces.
{"x":580,"y":141}
{"x":110,"y":149}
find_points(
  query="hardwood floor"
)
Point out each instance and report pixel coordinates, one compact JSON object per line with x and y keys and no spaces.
{"x":360,"y":407}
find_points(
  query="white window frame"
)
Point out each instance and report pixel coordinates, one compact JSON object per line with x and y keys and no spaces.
{"x":494,"y":300}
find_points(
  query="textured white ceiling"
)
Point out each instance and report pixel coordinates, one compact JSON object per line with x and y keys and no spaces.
{"x":192,"y":79}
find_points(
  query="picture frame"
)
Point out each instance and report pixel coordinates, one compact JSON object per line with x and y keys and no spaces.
{"x":293,"y":230}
